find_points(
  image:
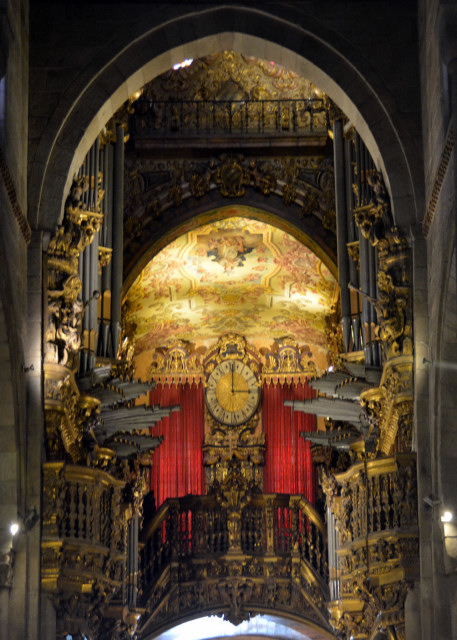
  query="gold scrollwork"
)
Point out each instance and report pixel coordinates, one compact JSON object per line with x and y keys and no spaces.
{"x":286,"y":361}
{"x":180,"y":362}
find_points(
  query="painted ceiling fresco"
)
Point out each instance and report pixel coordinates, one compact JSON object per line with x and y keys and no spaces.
{"x":233,"y":275}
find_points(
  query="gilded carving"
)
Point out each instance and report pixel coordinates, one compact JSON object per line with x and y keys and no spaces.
{"x":104,"y":258}
{"x":286,"y":361}
{"x":83,"y":551}
{"x":63,"y":333}
{"x":240,"y":572}
{"x":178,"y":362}
{"x":152,"y":186}
{"x":375,"y":501}
{"x":354,"y":252}
{"x":375,"y":508}
{"x":222,"y":445}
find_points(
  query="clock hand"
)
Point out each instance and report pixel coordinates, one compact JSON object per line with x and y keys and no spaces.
{"x":231,"y":369}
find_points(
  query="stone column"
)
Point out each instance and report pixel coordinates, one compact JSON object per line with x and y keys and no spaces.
{"x":422,"y":443}
{"x":25,"y":591}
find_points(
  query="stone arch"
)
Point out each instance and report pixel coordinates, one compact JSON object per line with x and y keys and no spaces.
{"x":140,"y":53}
{"x":294,"y":622}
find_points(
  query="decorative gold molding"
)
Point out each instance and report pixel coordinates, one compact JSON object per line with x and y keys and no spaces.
{"x":230,"y":558}
{"x":178,"y":363}
{"x":375,"y":508}
{"x":104,"y":258}
{"x":222,"y":446}
{"x":64,"y":408}
{"x":354,"y":252}
{"x":21,"y":219}
{"x":374,"y":501}
{"x":83,"y":551}
{"x":286,"y":362}
{"x":438,"y":182}
{"x":391,"y":405}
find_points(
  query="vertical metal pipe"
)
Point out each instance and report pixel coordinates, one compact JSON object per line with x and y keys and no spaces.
{"x":372,"y":292}
{"x":135,"y":560}
{"x":379,"y":345}
{"x":341,"y":230}
{"x":365,"y":286}
{"x":132,"y":562}
{"x":85,"y":257}
{"x":96,"y":169}
{"x":358,"y":165}
{"x":354,"y":278}
{"x":108,"y":210}
{"x":93,"y":304}
{"x":118,"y":239}
{"x":92,"y":309}
{"x":104,"y":349}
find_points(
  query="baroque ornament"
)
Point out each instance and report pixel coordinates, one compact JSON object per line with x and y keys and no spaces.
{"x":374,"y":500}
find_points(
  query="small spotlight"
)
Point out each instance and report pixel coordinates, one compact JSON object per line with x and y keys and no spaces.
{"x":14,"y":528}
{"x":331,"y":368}
{"x":446,"y":516}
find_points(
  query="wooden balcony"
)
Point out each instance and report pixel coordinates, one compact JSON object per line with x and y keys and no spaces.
{"x":202,"y":552}
{"x":230,"y":122}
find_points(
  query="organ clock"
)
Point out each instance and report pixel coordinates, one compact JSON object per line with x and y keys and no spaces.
{"x":232,"y":393}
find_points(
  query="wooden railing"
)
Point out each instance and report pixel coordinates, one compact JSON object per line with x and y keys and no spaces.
{"x":375,"y":512}
{"x":378,"y":497}
{"x":83,"y":536}
{"x":197,"y":527}
{"x":229,"y":117}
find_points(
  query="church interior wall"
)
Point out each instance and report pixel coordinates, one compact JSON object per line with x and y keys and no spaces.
{"x":436,"y":432}
{"x":70,"y":100}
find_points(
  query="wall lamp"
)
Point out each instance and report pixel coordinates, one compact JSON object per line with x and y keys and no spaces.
{"x":26,"y":523}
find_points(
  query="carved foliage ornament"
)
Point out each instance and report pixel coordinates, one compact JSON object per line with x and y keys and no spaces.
{"x":178,"y":362}
{"x":286,"y":361}
{"x":152,"y":187}
{"x":65,"y":413}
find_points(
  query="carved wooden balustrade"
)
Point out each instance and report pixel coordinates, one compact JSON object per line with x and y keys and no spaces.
{"x":376,"y":514}
{"x":193,"y":558}
{"x":229,"y":117}
{"x":83,"y":540}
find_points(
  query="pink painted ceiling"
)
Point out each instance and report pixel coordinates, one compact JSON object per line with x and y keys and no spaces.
{"x":232,"y":275}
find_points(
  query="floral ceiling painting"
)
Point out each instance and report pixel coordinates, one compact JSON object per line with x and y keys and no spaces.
{"x":232,"y":275}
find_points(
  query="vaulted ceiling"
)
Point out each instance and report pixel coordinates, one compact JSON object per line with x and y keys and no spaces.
{"x":233,"y":275}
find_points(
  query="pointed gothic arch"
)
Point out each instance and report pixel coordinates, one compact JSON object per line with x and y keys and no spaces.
{"x":125,"y":64}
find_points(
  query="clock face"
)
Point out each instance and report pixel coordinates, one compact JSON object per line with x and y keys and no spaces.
{"x":232,"y":393}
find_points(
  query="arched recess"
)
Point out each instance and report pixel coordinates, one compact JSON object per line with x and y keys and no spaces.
{"x":150,"y":46}
{"x":266,"y":209}
{"x":263,"y":623}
